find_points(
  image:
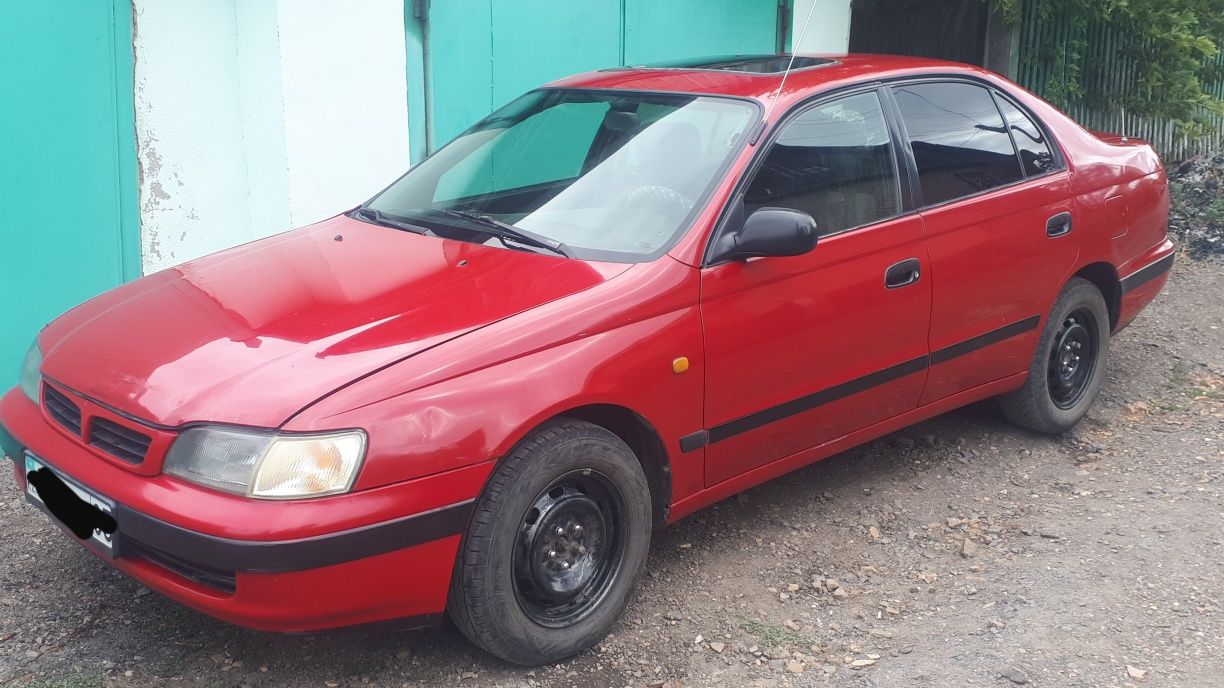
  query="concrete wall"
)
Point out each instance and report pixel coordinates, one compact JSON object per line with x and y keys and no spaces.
{"x":255,"y":116}
{"x":829,"y":29}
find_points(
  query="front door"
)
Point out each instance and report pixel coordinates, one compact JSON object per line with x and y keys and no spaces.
{"x":805,"y":349}
{"x":1000,"y":227}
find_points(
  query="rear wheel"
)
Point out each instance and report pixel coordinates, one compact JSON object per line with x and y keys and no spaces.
{"x":556,"y":545}
{"x":1068,"y":367}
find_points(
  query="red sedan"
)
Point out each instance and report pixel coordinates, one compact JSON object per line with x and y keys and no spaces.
{"x":618,"y":299}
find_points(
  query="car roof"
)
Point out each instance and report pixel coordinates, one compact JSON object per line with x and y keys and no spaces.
{"x":757,"y":76}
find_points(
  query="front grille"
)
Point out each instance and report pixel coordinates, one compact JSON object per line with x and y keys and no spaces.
{"x":118,"y":441}
{"x":213,"y":578}
{"x":62,"y":409}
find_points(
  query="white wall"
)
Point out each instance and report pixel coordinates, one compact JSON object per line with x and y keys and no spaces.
{"x":829,"y":29}
{"x":254,"y":116}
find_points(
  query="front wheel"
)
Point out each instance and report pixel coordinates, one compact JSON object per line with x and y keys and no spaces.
{"x":1069,"y":365}
{"x":556,"y":546}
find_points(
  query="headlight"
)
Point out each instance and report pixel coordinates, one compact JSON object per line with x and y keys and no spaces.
{"x":265,"y":464}
{"x":31,"y":377}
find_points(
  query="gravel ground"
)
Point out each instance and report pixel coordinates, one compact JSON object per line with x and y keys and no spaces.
{"x":961,"y":552}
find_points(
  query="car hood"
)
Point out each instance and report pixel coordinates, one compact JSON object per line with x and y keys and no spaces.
{"x":254,"y":334}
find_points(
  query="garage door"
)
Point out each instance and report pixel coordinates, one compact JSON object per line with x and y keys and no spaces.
{"x":483,"y":53}
{"x":68,"y":166}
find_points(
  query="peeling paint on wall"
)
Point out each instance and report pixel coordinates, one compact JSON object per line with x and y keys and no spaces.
{"x":257,"y":115}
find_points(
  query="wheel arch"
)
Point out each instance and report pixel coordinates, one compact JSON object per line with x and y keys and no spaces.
{"x":1105,"y":277}
{"x":634,"y":430}
{"x":643,"y":439}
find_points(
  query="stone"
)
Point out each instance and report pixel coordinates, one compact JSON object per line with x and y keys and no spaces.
{"x":794,"y":667}
{"x":1135,"y":673}
{"x":968,"y":548}
{"x":1016,"y":676}
{"x":717,"y":646}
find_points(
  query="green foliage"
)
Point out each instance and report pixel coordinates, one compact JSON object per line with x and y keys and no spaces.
{"x":1165,"y":65}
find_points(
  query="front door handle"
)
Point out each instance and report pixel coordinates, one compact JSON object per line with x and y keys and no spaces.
{"x":903,"y":274}
{"x":1058,"y":225}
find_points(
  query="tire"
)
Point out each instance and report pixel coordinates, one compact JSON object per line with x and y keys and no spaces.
{"x":1059,"y":390}
{"x":528,"y":594}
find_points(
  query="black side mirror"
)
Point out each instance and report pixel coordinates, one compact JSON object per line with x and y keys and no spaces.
{"x":768,"y":232}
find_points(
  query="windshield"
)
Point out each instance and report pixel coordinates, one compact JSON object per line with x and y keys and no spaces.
{"x":608,"y":175}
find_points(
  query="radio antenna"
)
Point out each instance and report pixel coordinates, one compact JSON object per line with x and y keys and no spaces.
{"x":781,"y":84}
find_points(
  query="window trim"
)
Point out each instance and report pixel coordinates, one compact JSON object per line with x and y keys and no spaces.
{"x":901,"y":158}
{"x":1056,"y":149}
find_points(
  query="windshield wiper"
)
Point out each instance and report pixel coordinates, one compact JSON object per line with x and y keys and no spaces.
{"x":378,"y":217}
{"x":504,"y":231}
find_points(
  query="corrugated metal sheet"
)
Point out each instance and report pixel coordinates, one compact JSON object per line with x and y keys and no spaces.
{"x":1048,"y":65}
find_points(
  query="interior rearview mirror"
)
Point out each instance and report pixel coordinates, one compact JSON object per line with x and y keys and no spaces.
{"x":768,"y":232}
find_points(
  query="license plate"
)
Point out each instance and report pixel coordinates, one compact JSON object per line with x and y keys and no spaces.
{"x":69,"y":511}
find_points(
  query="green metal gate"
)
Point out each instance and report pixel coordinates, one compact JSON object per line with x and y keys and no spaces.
{"x":468,"y":57}
{"x":69,"y":224}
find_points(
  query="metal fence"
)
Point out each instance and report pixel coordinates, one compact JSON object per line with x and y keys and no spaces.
{"x":1104,"y":68}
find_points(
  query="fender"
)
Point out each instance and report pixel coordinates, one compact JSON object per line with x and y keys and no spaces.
{"x":473,"y":399}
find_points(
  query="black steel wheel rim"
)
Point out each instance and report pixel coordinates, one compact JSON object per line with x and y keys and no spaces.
{"x":1073,"y":358}
{"x":569,"y":549}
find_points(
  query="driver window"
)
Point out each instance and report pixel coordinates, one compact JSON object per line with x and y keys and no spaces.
{"x":834,"y":162}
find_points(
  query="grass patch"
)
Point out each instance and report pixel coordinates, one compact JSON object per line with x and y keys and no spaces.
{"x":774,"y":636}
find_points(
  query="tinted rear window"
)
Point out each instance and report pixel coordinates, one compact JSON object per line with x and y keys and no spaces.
{"x":959,"y":140}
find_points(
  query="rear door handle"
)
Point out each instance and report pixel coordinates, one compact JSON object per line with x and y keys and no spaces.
{"x":903,"y":274}
{"x":1058,"y":225}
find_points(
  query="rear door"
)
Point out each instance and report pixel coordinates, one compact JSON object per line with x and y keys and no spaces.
{"x":1000,"y":228}
{"x":805,"y":349}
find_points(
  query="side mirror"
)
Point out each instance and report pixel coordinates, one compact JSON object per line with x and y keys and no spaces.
{"x":768,"y":232}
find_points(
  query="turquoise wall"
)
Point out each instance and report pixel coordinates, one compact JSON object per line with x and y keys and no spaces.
{"x":480,"y":54}
{"x":69,"y":221}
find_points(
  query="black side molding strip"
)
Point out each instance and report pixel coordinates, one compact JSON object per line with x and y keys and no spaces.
{"x":292,"y":555}
{"x":983,"y":340}
{"x":1147,"y":273}
{"x":787,"y":409}
{"x":696,"y":440}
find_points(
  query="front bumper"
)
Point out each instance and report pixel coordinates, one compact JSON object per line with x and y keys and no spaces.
{"x":279,"y":566}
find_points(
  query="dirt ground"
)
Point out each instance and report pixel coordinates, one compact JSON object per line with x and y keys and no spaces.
{"x":961,"y":552}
